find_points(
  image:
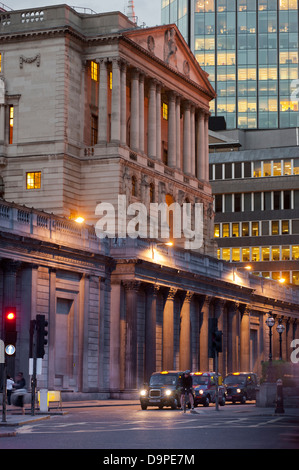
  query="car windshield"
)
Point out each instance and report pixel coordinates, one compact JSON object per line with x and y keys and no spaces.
{"x":200,"y":380}
{"x":161,"y":379}
{"x":234,"y":379}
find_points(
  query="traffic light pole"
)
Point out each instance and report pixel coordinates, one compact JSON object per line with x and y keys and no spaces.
{"x":216,"y":373}
{"x":33,"y":378}
{"x":4,"y":394}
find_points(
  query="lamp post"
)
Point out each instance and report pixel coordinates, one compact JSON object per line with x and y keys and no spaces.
{"x":280,"y":329}
{"x":270,"y":323}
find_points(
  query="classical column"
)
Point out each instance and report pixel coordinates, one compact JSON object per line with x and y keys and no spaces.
{"x":200,"y":143}
{"x":206,"y":147}
{"x":192,"y":137}
{"x":168,"y":331}
{"x":115,"y":101}
{"x":232,"y":350}
{"x":141,"y":113}
{"x":103,"y":109}
{"x":134,"y":144}
{"x":123,"y":108}
{"x":203,"y":335}
{"x":158,"y":121}
{"x":152,"y":121}
{"x":245,"y":339}
{"x":171,"y":130}
{"x":131,"y":292}
{"x":187,"y":141}
{"x":178,"y":132}
{"x":115,"y":306}
{"x":185,"y":333}
{"x":150,"y":331}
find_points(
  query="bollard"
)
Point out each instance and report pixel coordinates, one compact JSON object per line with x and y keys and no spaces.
{"x":279,"y":397}
{"x":43,"y":405}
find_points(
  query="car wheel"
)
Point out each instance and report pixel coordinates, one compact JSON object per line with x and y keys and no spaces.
{"x":207,"y":401}
{"x":143,"y":407}
{"x":160,"y":407}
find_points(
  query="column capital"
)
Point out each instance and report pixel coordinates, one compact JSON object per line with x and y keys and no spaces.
{"x":131,"y":285}
{"x":171,"y":293}
{"x":189,"y":296}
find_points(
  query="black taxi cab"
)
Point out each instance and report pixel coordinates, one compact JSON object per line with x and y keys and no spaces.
{"x":204,"y":387}
{"x":240,"y":386}
{"x":163,"y":389}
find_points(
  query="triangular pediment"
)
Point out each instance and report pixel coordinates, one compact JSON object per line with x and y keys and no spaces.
{"x":168,"y":45}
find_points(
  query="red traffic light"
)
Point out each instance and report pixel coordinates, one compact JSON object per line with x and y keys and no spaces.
{"x":10,"y":315}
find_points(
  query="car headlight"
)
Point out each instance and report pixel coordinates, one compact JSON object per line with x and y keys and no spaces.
{"x":143,"y":393}
{"x":239,"y":390}
{"x":168,"y":392}
{"x":201,"y":392}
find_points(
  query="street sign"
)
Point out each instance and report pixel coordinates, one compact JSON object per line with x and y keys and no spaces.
{"x":10,"y":349}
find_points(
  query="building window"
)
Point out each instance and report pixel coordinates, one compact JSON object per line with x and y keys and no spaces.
{"x":245,"y":254}
{"x":265,"y":253}
{"x":225,"y":230}
{"x":236,"y":230}
{"x":275,"y":227}
{"x":295,"y":226}
{"x":11,"y":123}
{"x":296,"y":166}
{"x":94,"y":67}
{"x":237,"y":202}
{"x":110,"y":80}
{"x":257,"y":169}
{"x":285,"y":253}
{"x":236,"y":254}
{"x":218,"y":203}
{"x":226,"y":254}
{"x":255,"y":229}
{"x":245,"y":229}
{"x":277,"y":168}
{"x":295,"y":252}
{"x":165,"y":111}
{"x":285,"y":227}
{"x":255,"y":254}
{"x":217,"y":230}
{"x":275,"y":253}
{"x":295,"y":278}
{"x":0,"y":62}
{"x":33,"y":180}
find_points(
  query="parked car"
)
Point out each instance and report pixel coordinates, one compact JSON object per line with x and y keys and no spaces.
{"x":240,"y":386}
{"x":164,"y":389}
{"x":204,"y":385}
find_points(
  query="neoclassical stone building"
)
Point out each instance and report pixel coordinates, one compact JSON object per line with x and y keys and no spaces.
{"x":91,"y":108}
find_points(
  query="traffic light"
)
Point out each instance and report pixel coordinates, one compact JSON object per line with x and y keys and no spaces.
{"x":10,"y":325}
{"x":218,"y":341}
{"x":42,"y":333}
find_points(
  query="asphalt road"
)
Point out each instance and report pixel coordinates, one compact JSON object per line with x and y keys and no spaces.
{"x":128,"y":428}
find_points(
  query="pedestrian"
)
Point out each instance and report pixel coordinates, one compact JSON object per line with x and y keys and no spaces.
{"x":20,"y":392}
{"x":9,"y":387}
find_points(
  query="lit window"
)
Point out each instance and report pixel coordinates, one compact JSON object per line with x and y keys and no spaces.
{"x":216,"y":230}
{"x":236,"y":230}
{"x":94,"y":71}
{"x":0,"y":62}
{"x":245,"y":254}
{"x":275,"y":227}
{"x":255,"y":229}
{"x":235,"y":254}
{"x":255,"y":254}
{"x":33,"y":180}
{"x":165,"y":111}
{"x":295,"y":252}
{"x":284,"y":227}
{"x":285,"y":253}
{"x":225,"y":230}
{"x":245,"y":229}
{"x":226,"y":254}
{"x":11,"y":123}
{"x":110,"y":80}
{"x":295,"y":278}
{"x":265,"y":253}
{"x":277,"y":168}
{"x":275,"y":253}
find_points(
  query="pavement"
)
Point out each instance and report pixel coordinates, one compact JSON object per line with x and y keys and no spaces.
{"x":15,"y":418}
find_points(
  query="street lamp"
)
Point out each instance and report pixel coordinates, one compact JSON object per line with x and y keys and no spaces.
{"x":270,"y":322}
{"x":280,"y":329}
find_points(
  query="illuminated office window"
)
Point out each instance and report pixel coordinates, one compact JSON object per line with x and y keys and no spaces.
{"x":225,"y":230}
{"x":255,"y":229}
{"x":245,"y":229}
{"x":165,"y":111}
{"x":287,"y":167}
{"x":285,"y":227}
{"x":295,"y":278}
{"x":265,"y":253}
{"x":226,"y":254}
{"x":235,"y":254}
{"x":33,"y":180}
{"x":255,"y":254}
{"x":245,"y":254}
{"x":275,"y":253}
{"x":257,"y":169}
{"x":296,"y":166}
{"x":267,"y":169}
{"x":94,"y":67}
{"x":275,"y":227}
{"x":217,"y":230}
{"x":295,"y":252}
{"x":285,"y":253}
{"x":235,"y":230}
{"x":11,"y":123}
{"x":110,"y":80}
{"x":277,"y":168}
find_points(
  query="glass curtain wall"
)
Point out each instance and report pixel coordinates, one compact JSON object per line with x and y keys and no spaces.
{"x":249,"y":48}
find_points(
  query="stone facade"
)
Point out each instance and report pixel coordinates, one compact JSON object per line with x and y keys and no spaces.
{"x":100,"y":109}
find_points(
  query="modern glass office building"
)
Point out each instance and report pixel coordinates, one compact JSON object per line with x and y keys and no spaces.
{"x":249,"y":48}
